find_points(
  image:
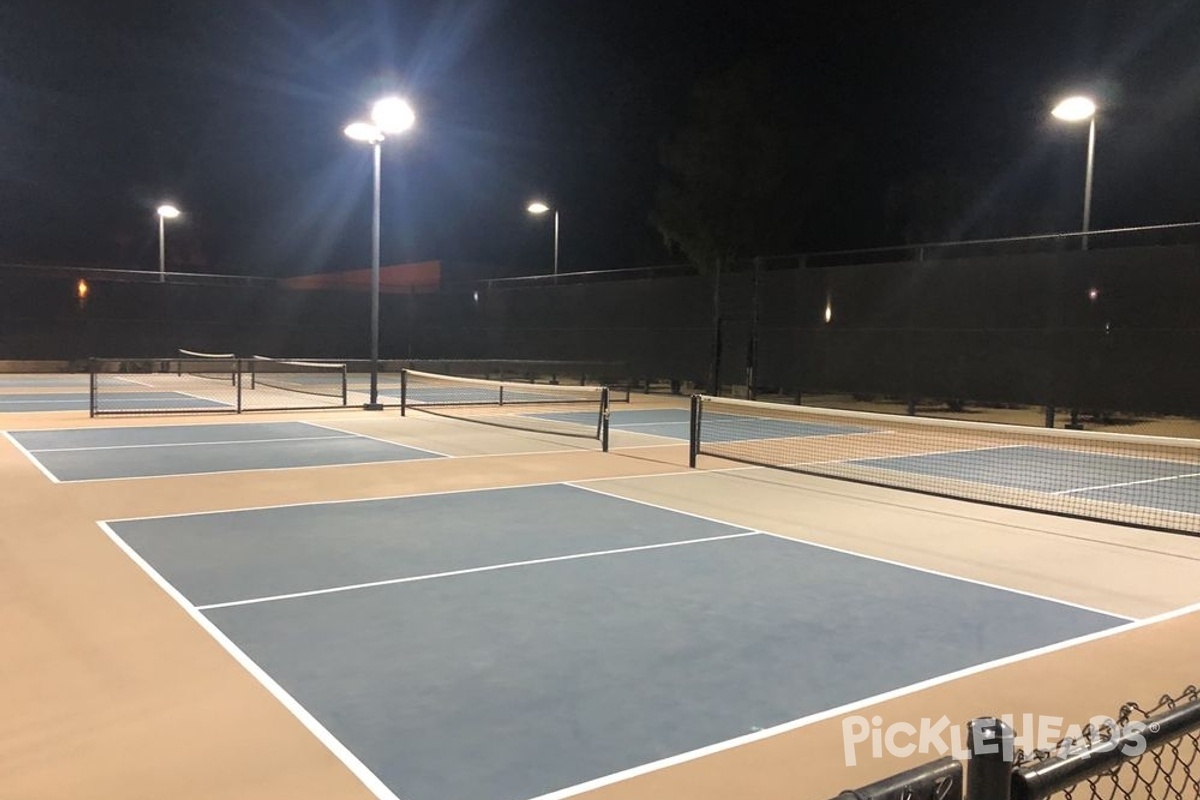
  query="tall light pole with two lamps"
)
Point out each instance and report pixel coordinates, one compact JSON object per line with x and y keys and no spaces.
{"x":165,"y":212}
{"x":538,"y":207}
{"x":1082,"y":109}
{"x":389,"y":116}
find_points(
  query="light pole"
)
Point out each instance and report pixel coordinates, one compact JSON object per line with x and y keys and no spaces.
{"x":165,"y":212}
{"x":390,"y":115}
{"x":539,"y":207}
{"x":1079,"y":109}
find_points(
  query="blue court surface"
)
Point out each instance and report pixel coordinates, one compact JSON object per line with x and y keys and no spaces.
{"x":49,"y":380}
{"x":508,"y":643}
{"x":1156,"y":483}
{"x":130,"y":401}
{"x":111,"y":453}
{"x":673,"y":423}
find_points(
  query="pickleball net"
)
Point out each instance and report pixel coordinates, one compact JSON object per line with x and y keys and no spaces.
{"x":315,"y":378}
{"x":1145,"y":481}
{"x":199,"y":382}
{"x":576,"y":411}
{"x":221,"y":367}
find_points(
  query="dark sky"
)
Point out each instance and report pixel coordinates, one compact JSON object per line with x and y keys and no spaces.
{"x":235,"y":110}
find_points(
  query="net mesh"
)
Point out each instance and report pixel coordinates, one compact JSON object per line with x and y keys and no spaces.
{"x":1146,"y":481}
{"x":212,"y":383}
{"x":510,"y":404}
{"x":221,"y":367}
{"x":318,"y":379}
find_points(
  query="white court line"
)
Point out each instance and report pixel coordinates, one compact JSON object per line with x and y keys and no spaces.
{"x":218,"y":403}
{"x":189,"y":444}
{"x":866,"y":460}
{"x":1131,"y":483}
{"x":304,"y":503}
{"x":165,"y":388}
{"x":959,"y":578}
{"x":376,"y":439}
{"x":804,"y":437}
{"x":166,"y":421}
{"x":866,"y":556}
{"x":624,"y":425}
{"x":42,"y":467}
{"x":798,"y":466}
{"x":532,"y":485}
{"x":138,"y":383}
{"x":248,"y":470}
{"x":808,"y":720}
{"x":671,"y":441}
{"x":473,"y":570}
{"x":339,"y":750}
{"x":803,"y":722}
{"x":829,"y":482}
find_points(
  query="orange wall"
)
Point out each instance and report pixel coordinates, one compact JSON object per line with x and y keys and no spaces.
{"x":425,"y":276}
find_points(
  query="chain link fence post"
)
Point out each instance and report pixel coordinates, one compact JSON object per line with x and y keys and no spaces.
{"x":989,"y":775}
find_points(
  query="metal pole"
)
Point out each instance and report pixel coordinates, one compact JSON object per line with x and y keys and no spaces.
{"x":1087,"y":186}
{"x":556,"y":242}
{"x":162,"y":250}
{"x":990,"y":775}
{"x":374,"y":405}
{"x":752,"y":342}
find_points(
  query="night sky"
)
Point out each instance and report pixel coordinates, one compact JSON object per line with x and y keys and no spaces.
{"x":234,"y":109}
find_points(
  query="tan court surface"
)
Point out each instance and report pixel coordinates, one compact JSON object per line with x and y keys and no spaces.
{"x":110,"y":690}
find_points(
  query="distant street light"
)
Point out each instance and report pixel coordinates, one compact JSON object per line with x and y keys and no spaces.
{"x":1081,"y":109}
{"x":165,"y":212}
{"x":389,"y":116}
{"x":539,"y":207}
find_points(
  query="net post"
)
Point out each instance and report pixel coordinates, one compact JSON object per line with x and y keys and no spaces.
{"x":604,"y":419}
{"x":179,"y":367}
{"x":989,"y":776}
{"x":501,"y":393}
{"x":92,"y":364}
{"x":237,"y":378}
{"x":403,"y":392}
{"x":345,"y":393}
{"x":694,"y":431}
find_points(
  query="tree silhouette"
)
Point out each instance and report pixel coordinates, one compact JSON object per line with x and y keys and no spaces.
{"x":737,"y":173}
{"x":933,"y":206}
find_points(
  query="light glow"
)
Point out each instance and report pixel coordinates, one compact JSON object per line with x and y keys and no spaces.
{"x":1075,"y":109}
{"x":393,"y":115}
{"x":364,"y":132}
{"x":82,"y":289}
{"x":168,"y":211}
{"x":538,"y":208}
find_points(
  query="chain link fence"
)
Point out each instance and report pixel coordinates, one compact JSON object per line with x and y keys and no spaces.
{"x":1149,"y":753}
{"x":1143,"y":753}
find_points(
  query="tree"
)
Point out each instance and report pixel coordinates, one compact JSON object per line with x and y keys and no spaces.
{"x":933,"y":206}
{"x":734,"y":179}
